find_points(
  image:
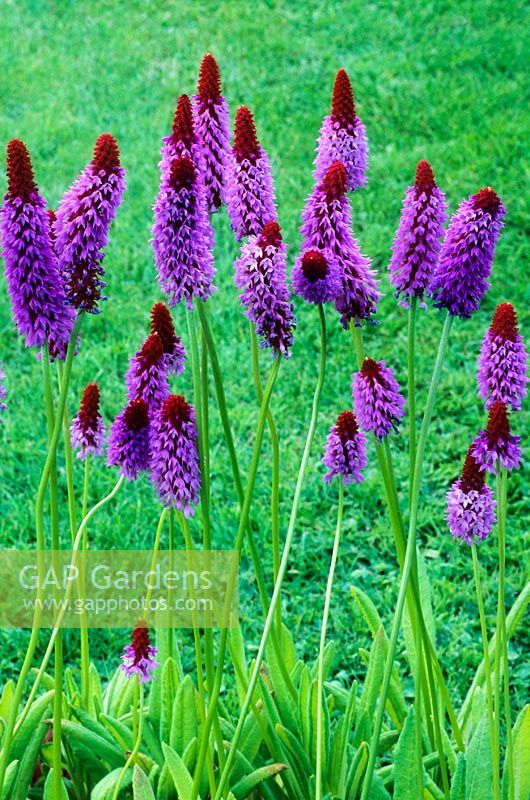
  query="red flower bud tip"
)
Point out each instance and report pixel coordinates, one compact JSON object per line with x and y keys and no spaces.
{"x":175,"y":410}
{"x":370,"y":369}
{"x":162,"y":323}
{"x":106,"y":154}
{"x":347,"y":426}
{"x":334,"y":181}
{"x":314,"y":265}
{"x":342,"y":102}
{"x":472,"y":477}
{"x":504,"y":322}
{"x":182,"y":174}
{"x":498,"y":427}
{"x":20,"y":176}
{"x":487,"y":200}
{"x":246,"y":145}
{"x":182,"y":127}
{"x":89,"y":407}
{"x":271,"y":235}
{"x":136,"y":415}
{"x":152,"y":350}
{"x":424,"y":181}
{"x":209,"y":85}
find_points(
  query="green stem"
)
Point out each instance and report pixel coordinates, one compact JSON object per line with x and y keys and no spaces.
{"x":502,"y":508}
{"x":321,"y":652}
{"x":284,"y":561}
{"x":136,"y":748}
{"x":243,"y":522}
{"x":85,"y":645}
{"x":489,"y":692}
{"x":412,"y":388}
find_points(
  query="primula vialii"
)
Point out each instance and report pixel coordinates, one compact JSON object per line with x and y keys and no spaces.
{"x":88,"y":428}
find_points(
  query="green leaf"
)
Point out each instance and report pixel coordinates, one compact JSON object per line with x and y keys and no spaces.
{"x":479,"y":778}
{"x":181,"y":777}
{"x":356,"y":771}
{"x":458,"y":783}
{"x":296,"y":756}
{"x":11,"y":771}
{"x":103,"y":790}
{"x":27,"y":743}
{"x":170,"y":684}
{"x":78,"y":736}
{"x":406,"y":768}
{"x":184,"y":722}
{"x":247,"y":784}
{"x":521,"y":757}
{"x":373,"y":681}
{"x":426,"y":604}
{"x":141,"y":787}
{"x":49,"y":789}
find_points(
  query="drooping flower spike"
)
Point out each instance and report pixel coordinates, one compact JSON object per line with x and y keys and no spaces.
{"x":326,"y":226}
{"x":345,"y":453}
{"x":249,"y":186}
{"x":3,"y":392}
{"x":470,"y":504}
{"x":417,"y":245}
{"x":174,"y":350}
{"x":129,"y":445}
{"x":40,"y":310}
{"x":379,"y":404}
{"x":212,"y":122}
{"x":461,"y":278}
{"x":317,"y":276}
{"x":343,"y":136}
{"x":260,"y":272}
{"x":139,"y":657}
{"x":182,"y":236}
{"x":88,"y":428}
{"x":83,"y":221}
{"x":496,"y":446}
{"x":503,"y":364}
{"x":174,"y":455}
{"x":146,"y":377}
{"x":182,"y":141}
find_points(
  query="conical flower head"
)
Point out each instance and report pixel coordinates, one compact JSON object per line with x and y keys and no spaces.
{"x":260,"y":272}
{"x":496,"y":446}
{"x":417,"y":245}
{"x":174,"y":455}
{"x":129,"y":442}
{"x":88,"y":428}
{"x":34,"y":282}
{"x":139,"y":657}
{"x":174,"y":350}
{"x":470,"y":504}
{"x":249,"y":186}
{"x":317,"y":276}
{"x":343,"y":136}
{"x":146,"y":378}
{"x":461,"y":278}
{"x":503,"y":363}
{"x":183,"y":141}
{"x":345,"y":454}
{"x":212,"y":122}
{"x":182,"y":236}
{"x":379,"y":404}
{"x":3,"y":392}
{"x":83,"y":221}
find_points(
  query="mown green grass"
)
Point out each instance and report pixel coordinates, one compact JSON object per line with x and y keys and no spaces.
{"x":436,"y":80}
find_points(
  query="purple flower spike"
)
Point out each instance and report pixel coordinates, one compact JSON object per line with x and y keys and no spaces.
{"x":417,"y":245}
{"x":83,"y":221}
{"x":129,"y":440}
{"x":88,"y":428}
{"x":461,"y":278}
{"x":3,"y":392}
{"x":175,"y":458}
{"x":182,"y":236}
{"x":503,"y":368}
{"x":35,"y":287}
{"x":326,"y":225}
{"x":496,"y":444}
{"x":183,"y":140}
{"x":146,"y":378}
{"x":174,"y":350}
{"x":379,"y":404}
{"x":212,"y":122}
{"x":470,"y":504}
{"x":343,"y":136}
{"x":317,"y":276}
{"x":260,"y":273}
{"x":345,"y":453}
{"x":249,"y":187}
{"x":139,"y":657}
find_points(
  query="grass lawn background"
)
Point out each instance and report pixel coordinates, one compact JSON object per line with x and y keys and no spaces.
{"x":436,"y":80}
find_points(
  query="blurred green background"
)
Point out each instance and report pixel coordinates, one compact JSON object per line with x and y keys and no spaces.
{"x":438,"y":80}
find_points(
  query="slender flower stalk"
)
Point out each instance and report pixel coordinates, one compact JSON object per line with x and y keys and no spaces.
{"x":503,"y":368}
{"x":88,"y":428}
{"x":343,"y":136}
{"x":212,"y":122}
{"x":129,"y":445}
{"x":146,"y":378}
{"x":138,"y":708}
{"x":83,"y":221}
{"x":183,"y":141}
{"x":470,"y":503}
{"x":496,"y":445}
{"x":249,"y":186}
{"x":33,"y":278}
{"x":174,"y":350}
